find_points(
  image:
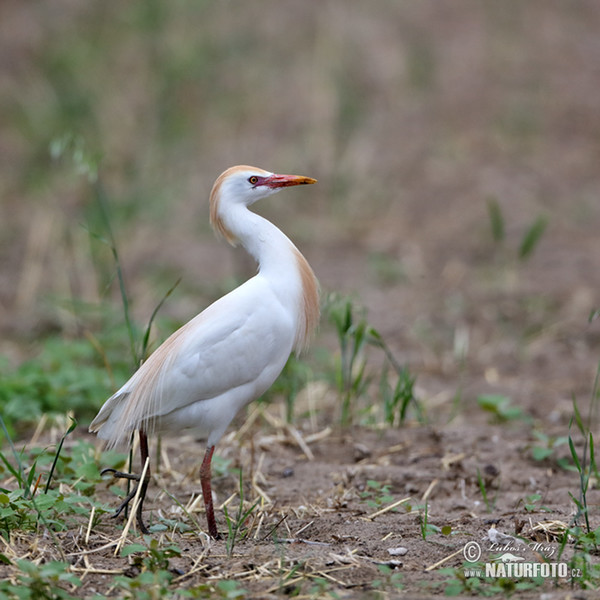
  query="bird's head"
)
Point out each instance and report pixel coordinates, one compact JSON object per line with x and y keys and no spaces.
{"x":244,"y":185}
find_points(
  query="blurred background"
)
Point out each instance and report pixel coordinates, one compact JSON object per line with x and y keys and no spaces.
{"x":456,"y":146}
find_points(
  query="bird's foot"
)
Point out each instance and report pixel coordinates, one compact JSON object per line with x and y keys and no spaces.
{"x":144,"y":486}
{"x":120,"y":474}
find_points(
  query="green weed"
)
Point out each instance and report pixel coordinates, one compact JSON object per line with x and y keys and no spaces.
{"x":236,"y":524}
{"x":500,"y":407}
{"x":351,"y":378}
{"x":60,"y":445}
{"x":586,"y":539}
{"x":320,"y":589}
{"x":547,"y":447}
{"x":532,"y":504}
{"x":496,"y":220}
{"x":64,"y":374}
{"x":584,"y":564}
{"x":490,"y":503}
{"x":470,"y":579}
{"x":151,"y":556}
{"x":586,"y":466}
{"x":148,"y":585}
{"x":530,"y":239}
{"x":376,"y":494}
{"x":426,"y":528}
{"x":398,"y":399}
{"x":230,"y":589}
{"x":34,"y":581}
{"x":352,"y":330}
{"x":391,"y":580}
{"x":27,"y":508}
{"x":424,"y":525}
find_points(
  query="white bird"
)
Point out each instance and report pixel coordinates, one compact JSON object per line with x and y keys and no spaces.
{"x":230,"y":353}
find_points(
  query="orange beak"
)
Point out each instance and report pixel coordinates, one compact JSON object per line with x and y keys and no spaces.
{"x":279,"y":181}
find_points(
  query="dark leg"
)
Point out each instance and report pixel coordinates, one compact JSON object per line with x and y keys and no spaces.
{"x":133,"y":477}
{"x":207,"y":493}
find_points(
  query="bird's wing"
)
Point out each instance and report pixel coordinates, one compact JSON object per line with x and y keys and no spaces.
{"x":228,"y":345}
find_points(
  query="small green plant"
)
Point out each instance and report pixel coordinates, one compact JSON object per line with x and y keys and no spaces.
{"x":31,"y":504}
{"x":496,"y":220}
{"x":235,"y":525}
{"x":586,"y":466}
{"x":351,"y":378}
{"x":396,"y":400}
{"x":500,"y":407}
{"x":377,"y":494}
{"x":490,"y":503}
{"x":584,"y":566}
{"x":459,"y":583}
{"x":34,"y":581}
{"x":63,"y":374}
{"x":531,"y":238}
{"x":321,"y":589}
{"x":532,"y":504}
{"x":547,"y":446}
{"x":148,"y":585}
{"x":154,"y":561}
{"x":391,"y":580}
{"x":470,"y":579}
{"x":426,"y":528}
{"x":230,"y":589}
{"x":151,"y":556}
{"x":352,"y":330}
{"x":586,"y":539}
{"x":57,"y":454}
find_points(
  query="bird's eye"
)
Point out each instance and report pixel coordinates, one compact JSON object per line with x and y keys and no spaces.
{"x":253,"y":180}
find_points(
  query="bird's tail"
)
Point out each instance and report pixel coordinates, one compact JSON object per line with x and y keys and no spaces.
{"x":108,"y":423}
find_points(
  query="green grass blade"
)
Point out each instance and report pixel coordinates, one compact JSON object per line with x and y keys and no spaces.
{"x":593,"y":468}
{"x":153,"y":316}
{"x":30,"y":478}
{"x":532,"y":237}
{"x":18,"y":474}
{"x":496,"y":220}
{"x":574,"y":455}
{"x":102,"y":200}
{"x":578,"y":419}
{"x":57,"y":454}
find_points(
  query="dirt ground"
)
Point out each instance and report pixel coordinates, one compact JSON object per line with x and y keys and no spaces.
{"x":315,"y":522}
{"x":513,"y":117}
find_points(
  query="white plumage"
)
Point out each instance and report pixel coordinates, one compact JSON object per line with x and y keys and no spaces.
{"x":233,"y":351}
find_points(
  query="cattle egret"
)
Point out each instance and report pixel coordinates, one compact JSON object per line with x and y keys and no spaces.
{"x":230,"y":353}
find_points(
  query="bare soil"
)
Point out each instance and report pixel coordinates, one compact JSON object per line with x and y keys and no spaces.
{"x":315,"y":521}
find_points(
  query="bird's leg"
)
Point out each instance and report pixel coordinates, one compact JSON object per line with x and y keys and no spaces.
{"x":134,"y":477}
{"x":205,"y":475}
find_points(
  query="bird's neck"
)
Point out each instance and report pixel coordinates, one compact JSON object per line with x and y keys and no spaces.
{"x":267,"y":244}
{"x":281,"y":263}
